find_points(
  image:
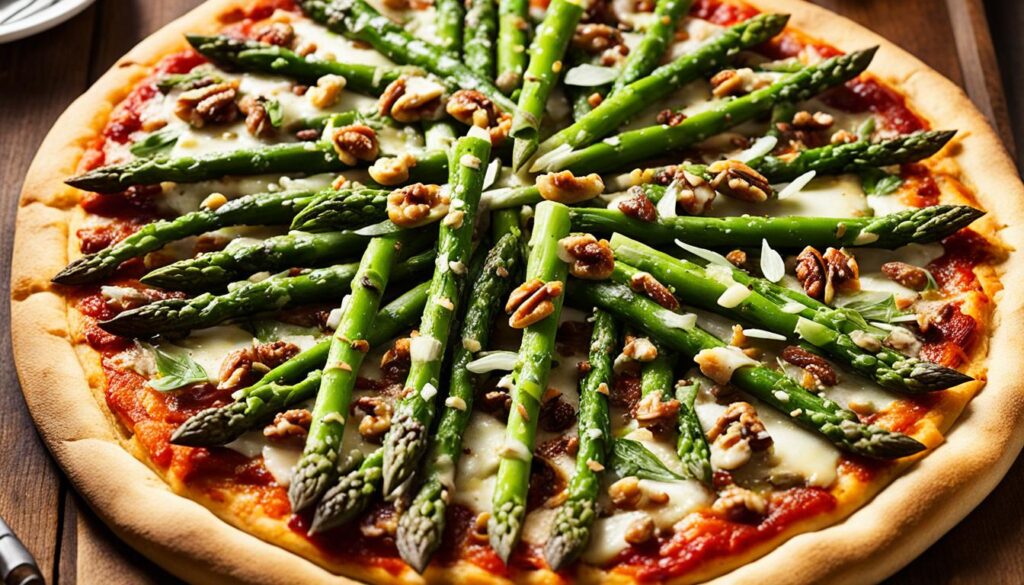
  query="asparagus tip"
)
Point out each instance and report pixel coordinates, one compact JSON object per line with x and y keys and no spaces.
{"x":935,"y":377}
{"x":891,"y":445}
{"x":310,"y":478}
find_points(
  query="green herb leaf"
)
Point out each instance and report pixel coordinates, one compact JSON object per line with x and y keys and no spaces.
{"x":184,"y":80}
{"x":274,"y":113}
{"x":879,"y":182}
{"x":631,"y":458}
{"x":866,"y":129}
{"x":176,"y":370}
{"x":875,"y":307}
{"x":156,"y":143}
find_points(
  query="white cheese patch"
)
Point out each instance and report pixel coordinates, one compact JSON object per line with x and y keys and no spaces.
{"x":608,"y":537}
{"x":280,"y":461}
{"x":830,"y":196}
{"x":474,"y":478}
{"x":208,"y":347}
{"x":719,"y":363}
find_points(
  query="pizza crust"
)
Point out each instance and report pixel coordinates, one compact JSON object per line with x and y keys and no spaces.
{"x":191,"y":542}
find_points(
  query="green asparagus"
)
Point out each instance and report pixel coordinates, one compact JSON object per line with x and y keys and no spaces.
{"x":813,"y":412}
{"x":513,"y":35}
{"x":657,"y":38}
{"x":478,"y":38}
{"x":333,"y":210}
{"x":641,"y":93}
{"x":421,"y":527}
{"x":636,"y":145}
{"x":529,"y":378}
{"x":691,"y":446}
{"x":408,"y":437}
{"x":350,"y":494}
{"x":450,"y":15}
{"x":281,"y":387}
{"x":546,"y":57}
{"x":570,"y":530}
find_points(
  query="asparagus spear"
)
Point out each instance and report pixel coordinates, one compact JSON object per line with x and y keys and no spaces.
{"x":421,"y":527}
{"x":291,"y":157}
{"x":656,"y":375}
{"x":636,"y":145}
{"x":254,"y":56}
{"x":341,"y":210}
{"x":317,"y":468}
{"x":647,"y":55}
{"x":838,"y":425}
{"x":178,"y":316}
{"x":240,"y":259}
{"x":357,"y":20}
{"x":691,"y":446}
{"x":513,"y":34}
{"x":910,"y":226}
{"x":350,"y":495}
{"x":257,"y":209}
{"x":450,"y":15}
{"x":546,"y":54}
{"x":644,"y":91}
{"x":570,"y":530}
{"x":407,"y":439}
{"x":280,"y":387}
{"x":530,"y":375}
{"x":478,"y":37}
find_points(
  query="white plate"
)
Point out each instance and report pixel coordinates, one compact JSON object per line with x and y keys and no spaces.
{"x":47,"y":18}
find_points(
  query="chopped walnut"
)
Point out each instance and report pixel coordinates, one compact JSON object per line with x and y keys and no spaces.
{"x":738,"y":181}
{"x":411,"y":99}
{"x":236,"y":370}
{"x":670,"y":117}
{"x":327,"y":91}
{"x":500,"y":131}
{"x":289,"y":426}
{"x":596,"y":38}
{"x":813,"y":364}
{"x":740,"y":504}
{"x":395,"y":362}
{"x":531,"y":302}
{"x":625,"y":493}
{"x":257,"y":121}
{"x":595,"y":99}
{"x":692,"y":192}
{"x":810,"y":272}
{"x":588,"y":257}
{"x":646,"y":284}
{"x":638,"y":206}
{"x":416,"y":205}
{"x":209,"y":104}
{"x":382,"y":521}
{"x":473,"y":108}
{"x":496,"y":402}
{"x":736,"y":82}
{"x":804,"y":120}
{"x":737,"y":258}
{"x":564,"y":187}
{"x":736,"y":434}
{"x":275,"y":33}
{"x":639,"y":349}
{"x":614,"y":56}
{"x":652,"y":410}
{"x":906,"y":275}
{"x":354,"y":143}
{"x":843,"y":137}
{"x":841,"y":273}
{"x":390,"y":171}
{"x":640,"y":531}
{"x":377,"y":416}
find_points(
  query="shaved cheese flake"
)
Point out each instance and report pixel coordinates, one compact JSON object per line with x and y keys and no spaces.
{"x":762,"y":334}
{"x":424,"y":348}
{"x":667,"y":204}
{"x":428,"y":391}
{"x":492,"y":170}
{"x":772,"y":266}
{"x":587,"y":75}
{"x":455,"y":402}
{"x":481,"y":133}
{"x":733,"y":296}
{"x":514,"y":449}
{"x":719,"y":363}
{"x":495,"y":360}
{"x":761,"y":147}
{"x":793,"y":307}
{"x":685,"y":321}
{"x":797,"y":185}
{"x":705,"y":254}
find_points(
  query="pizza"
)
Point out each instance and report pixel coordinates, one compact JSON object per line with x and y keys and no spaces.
{"x":533,"y":292}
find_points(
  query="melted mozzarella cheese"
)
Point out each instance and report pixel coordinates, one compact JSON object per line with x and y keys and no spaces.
{"x":208,"y":347}
{"x":839,"y":196}
{"x":474,"y":479}
{"x":280,"y":461}
{"x":608,"y":537}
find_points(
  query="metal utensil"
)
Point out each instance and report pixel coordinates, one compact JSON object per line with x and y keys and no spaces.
{"x":17,"y":566}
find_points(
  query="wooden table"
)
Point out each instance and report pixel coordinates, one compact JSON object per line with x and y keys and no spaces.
{"x":40,"y":76}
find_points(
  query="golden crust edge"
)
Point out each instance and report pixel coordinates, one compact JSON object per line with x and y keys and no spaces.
{"x":35,"y":309}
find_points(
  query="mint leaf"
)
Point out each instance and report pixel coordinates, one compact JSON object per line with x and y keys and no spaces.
{"x":155,"y":143}
{"x":274,"y":113}
{"x":879,"y":182}
{"x":176,"y":370}
{"x":631,"y":458}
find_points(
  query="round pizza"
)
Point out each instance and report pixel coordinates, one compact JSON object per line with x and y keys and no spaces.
{"x":509,"y":291}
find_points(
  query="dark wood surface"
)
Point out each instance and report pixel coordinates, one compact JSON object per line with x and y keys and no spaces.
{"x":40,"y":76}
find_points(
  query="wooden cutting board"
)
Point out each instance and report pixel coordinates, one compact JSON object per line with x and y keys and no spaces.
{"x":40,"y":76}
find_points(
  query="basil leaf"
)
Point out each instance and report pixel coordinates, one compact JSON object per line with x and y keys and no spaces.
{"x":866,"y":129}
{"x":879,"y":182}
{"x":156,"y":143}
{"x":176,"y":370}
{"x":274,"y":113}
{"x":631,"y":458}
{"x":874,"y":308}
{"x":183,"y":80}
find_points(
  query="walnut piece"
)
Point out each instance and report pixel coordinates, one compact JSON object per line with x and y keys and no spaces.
{"x":813,"y":364}
{"x":646,"y":284}
{"x":736,"y":434}
{"x":640,"y":531}
{"x":275,"y":33}
{"x":257,"y":120}
{"x":740,"y":504}
{"x":327,"y":91}
{"x":411,"y":99}
{"x":209,"y":104}
{"x":810,"y":272}
{"x":396,"y":361}
{"x":259,"y":358}
{"x":564,"y":187}
{"x":737,"y":258}
{"x":473,"y":108}
{"x":670,"y":117}
{"x":639,"y":349}
{"x":906,"y":275}
{"x":390,"y":171}
{"x":531,"y":302}
{"x":289,"y":426}
{"x":625,"y":493}
{"x":416,"y":205}
{"x":588,"y":257}
{"x":737,"y":180}
{"x":596,"y":38}
{"x":823,"y":275}
{"x":377,"y":416}
{"x":653,"y":410}
{"x":638,"y":206}
{"x":354,"y":143}
{"x":804,"y":120}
